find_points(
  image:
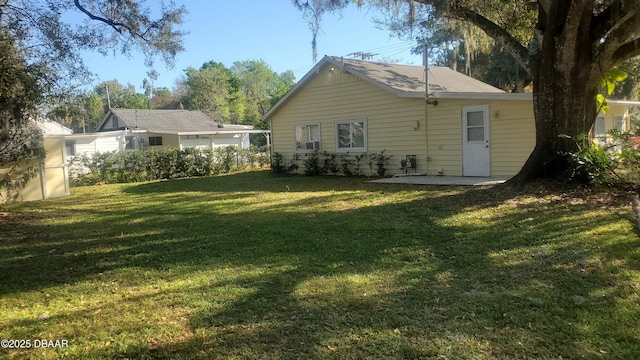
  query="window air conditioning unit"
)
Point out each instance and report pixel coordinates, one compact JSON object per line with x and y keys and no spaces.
{"x":313,"y":145}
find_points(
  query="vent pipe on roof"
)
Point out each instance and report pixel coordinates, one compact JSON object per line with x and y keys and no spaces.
{"x":342,"y":63}
{"x":425,"y":61}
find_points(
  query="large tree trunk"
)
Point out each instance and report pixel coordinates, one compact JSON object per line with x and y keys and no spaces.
{"x":564,"y":92}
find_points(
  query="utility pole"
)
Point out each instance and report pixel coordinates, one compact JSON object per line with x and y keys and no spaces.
{"x":108,"y":99}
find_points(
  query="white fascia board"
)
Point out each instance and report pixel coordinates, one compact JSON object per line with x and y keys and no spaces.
{"x":481,"y":96}
{"x":624,"y":102}
{"x":231,"y":132}
{"x":305,"y":79}
{"x":104,"y":119}
{"x":499,"y":96}
{"x":95,"y":135}
{"x":315,"y":70}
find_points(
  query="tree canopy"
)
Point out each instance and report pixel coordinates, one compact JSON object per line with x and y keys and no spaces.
{"x":41,"y":42}
{"x":240,"y":94}
{"x":51,"y":34}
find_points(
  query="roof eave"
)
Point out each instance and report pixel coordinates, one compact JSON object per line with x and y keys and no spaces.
{"x":316,"y":69}
{"x":481,"y":96}
{"x":104,"y":119}
{"x":210,"y":132}
{"x":624,"y":102}
{"x":96,"y":134}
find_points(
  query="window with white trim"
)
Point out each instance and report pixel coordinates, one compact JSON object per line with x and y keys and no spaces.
{"x":351,"y":135}
{"x":155,"y":140}
{"x":70,"y":147}
{"x":618,"y":122}
{"x":476,"y":126}
{"x":307,"y":137}
{"x":599,"y":127}
{"x":130,"y":142}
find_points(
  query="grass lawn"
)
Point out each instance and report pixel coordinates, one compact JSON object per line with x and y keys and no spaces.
{"x":257,"y":266}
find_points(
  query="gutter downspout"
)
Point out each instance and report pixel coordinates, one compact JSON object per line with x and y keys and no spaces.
{"x":426,"y":104}
{"x":43,"y":179}
{"x":268,"y":142}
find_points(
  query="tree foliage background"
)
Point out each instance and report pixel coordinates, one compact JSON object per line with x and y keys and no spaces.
{"x":240,"y":94}
{"x":20,"y":92}
{"x":40,"y":62}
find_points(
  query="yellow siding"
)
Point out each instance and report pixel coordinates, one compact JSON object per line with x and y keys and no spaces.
{"x":32,"y":191}
{"x":53,"y":148}
{"x":609,"y":117}
{"x":444,"y":137}
{"x":400,"y":125}
{"x":56,"y":176}
{"x":56,"y":181}
{"x":512,"y":135}
{"x":393,"y":124}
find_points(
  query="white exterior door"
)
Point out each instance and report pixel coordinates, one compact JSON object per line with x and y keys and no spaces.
{"x":476,"y":154}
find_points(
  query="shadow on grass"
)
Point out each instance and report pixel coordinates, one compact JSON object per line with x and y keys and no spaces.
{"x":386,"y":271}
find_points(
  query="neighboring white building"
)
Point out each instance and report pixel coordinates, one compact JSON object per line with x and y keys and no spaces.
{"x":130,"y":129}
{"x":176,"y":129}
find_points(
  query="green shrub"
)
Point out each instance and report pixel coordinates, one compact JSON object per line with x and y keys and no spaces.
{"x":330,"y":164}
{"x":226,"y":158}
{"x":347,"y":163}
{"x":380,"y":161}
{"x":166,"y":163}
{"x":358,"y":163}
{"x":590,"y":163}
{"x":264,"y":156}
{"x":277,"y":165}
{"x":312,"y":164}
{"x":628,"y":155}
{"x":293,"y":164}
{"x":163,"y":163}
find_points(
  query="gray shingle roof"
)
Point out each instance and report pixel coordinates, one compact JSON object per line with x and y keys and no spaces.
{"x":165,"y":119}
{"x":171,"y":121}
{"x":404,"y":81}
{"x":407,"y":79}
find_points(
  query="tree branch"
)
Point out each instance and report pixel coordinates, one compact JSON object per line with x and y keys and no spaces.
{"x":625,"y":52}
{"x":517,"y":50}
{"x":609,"y":18}
{"x":621,"y":35}
{"x":545,"y":5}
{"x":117,"y":26}
{"x":577,"y":14}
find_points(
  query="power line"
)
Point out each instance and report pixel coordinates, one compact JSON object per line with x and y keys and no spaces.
{"x":385,"y":52}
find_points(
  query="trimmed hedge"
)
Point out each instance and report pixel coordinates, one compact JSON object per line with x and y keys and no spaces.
{"x":167,"y":163}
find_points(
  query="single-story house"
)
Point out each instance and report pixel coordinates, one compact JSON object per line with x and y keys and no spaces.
{"x":460,"y":127}
{"x":174,"y":128}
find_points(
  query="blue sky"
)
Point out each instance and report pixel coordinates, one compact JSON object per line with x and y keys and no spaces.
{"x":272,"y":30}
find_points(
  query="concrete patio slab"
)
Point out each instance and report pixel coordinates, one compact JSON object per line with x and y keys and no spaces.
{"x":442,"y":180}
